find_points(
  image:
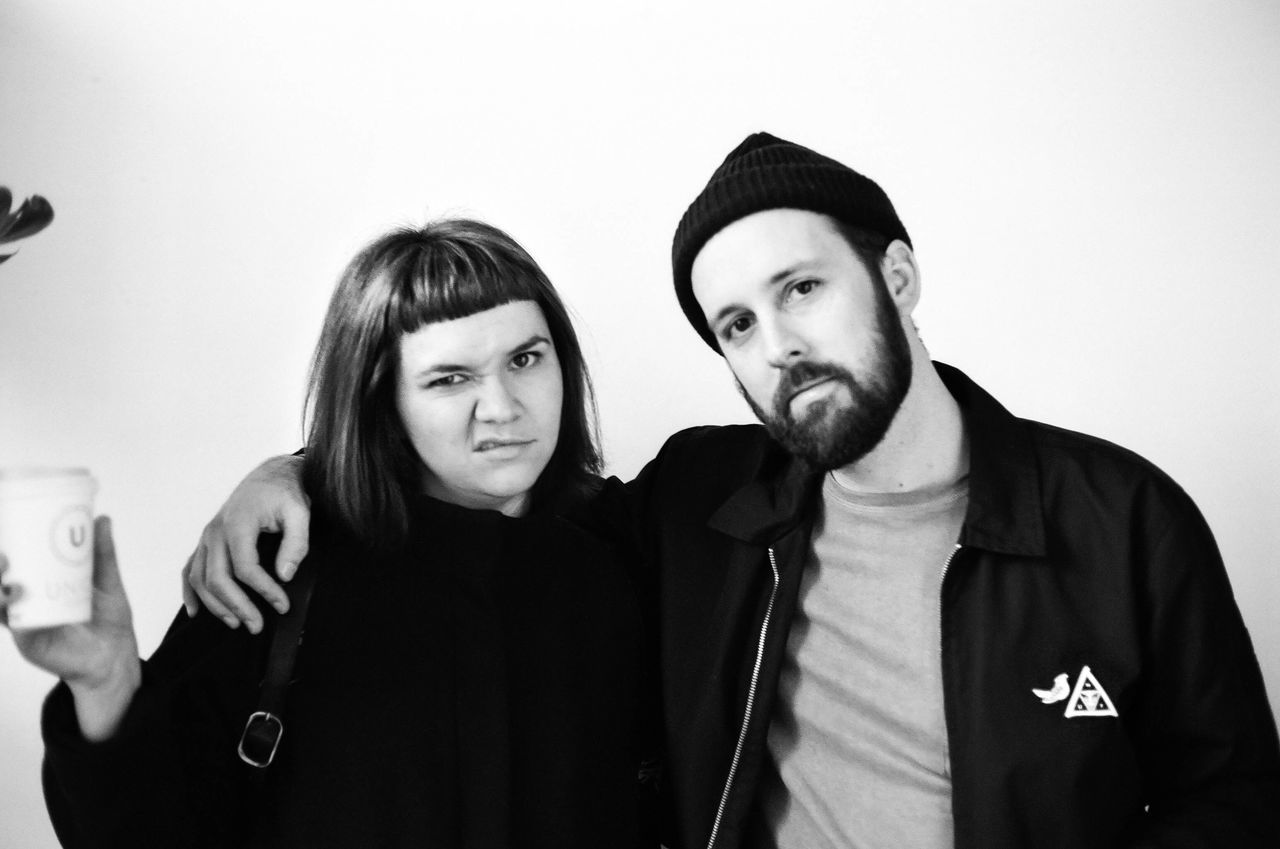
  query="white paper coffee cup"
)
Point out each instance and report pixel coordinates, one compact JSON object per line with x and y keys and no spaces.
{"x":46,"y":532}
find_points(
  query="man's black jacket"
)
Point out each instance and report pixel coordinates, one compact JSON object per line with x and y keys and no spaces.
{"x":1074,"y":553}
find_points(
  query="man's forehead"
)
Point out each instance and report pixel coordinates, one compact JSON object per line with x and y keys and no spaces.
{"x":768,"y":243}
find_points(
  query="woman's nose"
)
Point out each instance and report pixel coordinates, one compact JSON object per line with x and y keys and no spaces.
{"x":497,"y":402}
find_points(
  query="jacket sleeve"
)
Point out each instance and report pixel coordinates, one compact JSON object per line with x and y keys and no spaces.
{"x":1209,"y":746}
{"x":170,"y":776}
{"x":615,"y":518}
{"x":659,"y":823}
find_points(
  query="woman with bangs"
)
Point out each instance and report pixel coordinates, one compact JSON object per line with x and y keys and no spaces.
{"x":471,"y":668}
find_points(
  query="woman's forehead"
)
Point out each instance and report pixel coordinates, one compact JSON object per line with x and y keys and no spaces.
{"x":475,"y":340}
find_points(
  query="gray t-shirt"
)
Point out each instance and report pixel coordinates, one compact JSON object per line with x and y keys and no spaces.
{"x":858,"y":742}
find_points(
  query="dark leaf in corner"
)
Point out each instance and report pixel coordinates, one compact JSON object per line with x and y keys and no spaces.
{"x":6,"y":201}
{"x":33,"y":216}
{"x":3,"y":257}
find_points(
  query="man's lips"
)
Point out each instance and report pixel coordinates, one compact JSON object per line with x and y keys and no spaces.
{"x":806,"y":386}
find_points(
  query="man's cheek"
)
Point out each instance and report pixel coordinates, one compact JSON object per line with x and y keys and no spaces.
{"x":759,"y":390}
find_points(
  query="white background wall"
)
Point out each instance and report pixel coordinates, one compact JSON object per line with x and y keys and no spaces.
{"x":1092,"y":187}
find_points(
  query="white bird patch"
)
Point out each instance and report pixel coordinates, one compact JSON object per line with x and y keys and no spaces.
{"x":1087,"y":698}
{"x":1059,"y":691}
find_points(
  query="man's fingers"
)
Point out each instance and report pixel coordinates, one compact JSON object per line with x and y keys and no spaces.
{"x":243,"y":547}
{"x":296,"y":520}
{"x":218,"y":581}
{"x":246,"y":569}
{"x":197,"y":584}
{"x":259,"y":581}
{"x":240,"y":606}
{"x":216,"y":607}
{"x":191,"y":601}
{"x":206,"y":572}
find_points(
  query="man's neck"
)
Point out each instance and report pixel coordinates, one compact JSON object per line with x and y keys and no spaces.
{"x":925,"y":446}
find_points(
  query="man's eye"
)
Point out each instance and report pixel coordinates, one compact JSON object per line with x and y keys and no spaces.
{"x":525,"y":359}
{"x":738,"y":326}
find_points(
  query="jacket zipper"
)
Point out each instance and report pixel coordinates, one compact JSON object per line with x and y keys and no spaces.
{"x":942,"y":585}
{"x":751,"y":700}
{"x":942,"y":660}
{"x":755,"y":681}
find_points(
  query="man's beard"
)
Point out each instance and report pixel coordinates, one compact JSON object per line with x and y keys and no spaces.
{"x":829,"y":434}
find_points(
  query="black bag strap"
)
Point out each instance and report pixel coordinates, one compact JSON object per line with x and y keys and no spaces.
{"x":262,"y":732}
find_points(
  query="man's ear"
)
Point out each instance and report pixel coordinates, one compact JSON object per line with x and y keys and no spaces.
{"x":901,"y":276}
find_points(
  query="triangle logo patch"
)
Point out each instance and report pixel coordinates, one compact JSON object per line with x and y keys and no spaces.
{"x":1088,"y":698}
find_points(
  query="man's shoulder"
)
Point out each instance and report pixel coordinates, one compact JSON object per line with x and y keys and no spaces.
{"x":717,"y":439}
{"x":1074,"y":460}
{"x":710,"y":461}
{"x":1058,"y":444}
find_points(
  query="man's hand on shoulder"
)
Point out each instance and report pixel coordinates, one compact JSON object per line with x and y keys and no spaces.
{"x":270,"y":499}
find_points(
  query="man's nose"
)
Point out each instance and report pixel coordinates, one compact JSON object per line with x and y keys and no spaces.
{"x":497,"y":401}
{"x":782,"y":344}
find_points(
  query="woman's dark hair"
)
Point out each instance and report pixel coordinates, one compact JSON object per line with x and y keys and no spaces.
{"x":360,"y":466}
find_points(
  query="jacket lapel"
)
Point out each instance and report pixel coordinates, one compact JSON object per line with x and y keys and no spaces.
{"x":1005,"y":504}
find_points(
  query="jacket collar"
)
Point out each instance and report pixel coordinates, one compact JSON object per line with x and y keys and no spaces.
{"x":1004,"y":511}
{"x":774,"y":501}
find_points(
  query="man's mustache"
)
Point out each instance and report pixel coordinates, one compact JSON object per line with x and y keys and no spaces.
{"x":800,"y":374}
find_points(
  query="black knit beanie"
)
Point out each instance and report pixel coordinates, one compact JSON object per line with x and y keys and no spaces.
{"x":766,"y":172}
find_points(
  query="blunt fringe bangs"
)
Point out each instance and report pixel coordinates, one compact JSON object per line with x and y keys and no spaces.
{"x":360,"y":468}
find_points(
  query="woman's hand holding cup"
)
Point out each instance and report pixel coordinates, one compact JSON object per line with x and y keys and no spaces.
{"x":97,"y":659}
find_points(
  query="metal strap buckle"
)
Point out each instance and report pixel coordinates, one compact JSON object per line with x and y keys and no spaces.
{"x":260,"y":739}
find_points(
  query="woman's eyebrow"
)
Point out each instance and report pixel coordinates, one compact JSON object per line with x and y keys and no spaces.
{"x":532,"y":341}
{"x":439,"y":368}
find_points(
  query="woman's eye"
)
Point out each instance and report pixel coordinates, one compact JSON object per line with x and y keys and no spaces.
{"x":445,"y":380}
{"x":525,"y":359}
{"x":804,"y":287}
